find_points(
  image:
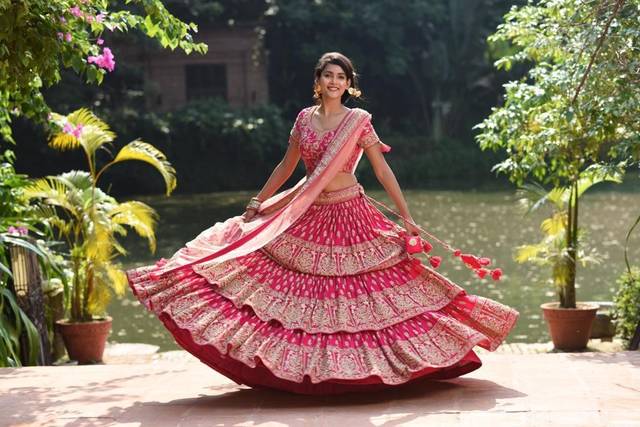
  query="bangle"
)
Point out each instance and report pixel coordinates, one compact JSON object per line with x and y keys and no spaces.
{"x":254,"y":203}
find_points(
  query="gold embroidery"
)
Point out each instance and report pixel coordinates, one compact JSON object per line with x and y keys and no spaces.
{"x":393,"y":355}
{"x":370,"y":310}
{"x":328,"y":260}
{"x":431,"y":339}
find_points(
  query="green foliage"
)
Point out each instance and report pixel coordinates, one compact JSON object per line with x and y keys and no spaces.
{"x":39,"y":38}
{"x":554,"y":250}
{"x":546,"y":134}
{"x":88,"y":218}
{"x":626,"y":311}
{"x":429,"y":74}
{"x":576,"y":113}
{"x":208,"y":140}
{"x":16,"y":212}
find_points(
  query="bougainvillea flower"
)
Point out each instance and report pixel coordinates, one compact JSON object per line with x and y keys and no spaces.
{"x":75,"y":11}
{"x":77,"y":131}
{"x":484,"y":261}
{"x":496,"y":273}
{"x":104,"y":60}
{"x":457,"y":252}
{"x":19,"y":231}
{"x":427,"y":246}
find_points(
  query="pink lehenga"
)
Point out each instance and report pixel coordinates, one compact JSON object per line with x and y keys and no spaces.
{"x":317,"y":294}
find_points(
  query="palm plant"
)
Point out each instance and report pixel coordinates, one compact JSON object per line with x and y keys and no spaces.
{"x":88,"y":218}
{"x":563,"y":244}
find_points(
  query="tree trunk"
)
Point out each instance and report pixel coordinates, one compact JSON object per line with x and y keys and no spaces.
{"x":572,"y":243}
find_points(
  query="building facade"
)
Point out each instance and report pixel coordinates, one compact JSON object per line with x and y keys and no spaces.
{"x":234,"y":68}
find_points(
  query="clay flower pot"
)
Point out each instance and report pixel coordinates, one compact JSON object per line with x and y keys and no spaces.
{"x":570,"y":328}
{"x":85,"y":341}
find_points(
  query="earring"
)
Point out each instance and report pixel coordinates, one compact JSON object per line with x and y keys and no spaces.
{"x":316,"y":91}
{"x":354,"y":92}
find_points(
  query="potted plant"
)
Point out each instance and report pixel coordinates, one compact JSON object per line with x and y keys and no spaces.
{"x":574,"y":112}
{"x":562,"y":247}
{"x":90,"y":220}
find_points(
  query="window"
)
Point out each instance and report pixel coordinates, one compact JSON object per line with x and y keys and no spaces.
{"x":206,"y":81}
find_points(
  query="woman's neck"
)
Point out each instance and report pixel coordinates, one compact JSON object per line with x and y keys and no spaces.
{"x":331,"y":107}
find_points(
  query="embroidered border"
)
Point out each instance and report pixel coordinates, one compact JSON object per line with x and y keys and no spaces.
{"x":370,"y":310}
{"x":435,"y":339}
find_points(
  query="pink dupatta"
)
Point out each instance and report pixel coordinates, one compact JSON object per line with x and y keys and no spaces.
{"x":235,"y":237}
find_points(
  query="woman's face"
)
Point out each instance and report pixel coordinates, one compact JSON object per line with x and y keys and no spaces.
{"x":333,"y":81}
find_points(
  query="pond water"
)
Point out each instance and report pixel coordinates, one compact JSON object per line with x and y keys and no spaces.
{"x":485,"y":223}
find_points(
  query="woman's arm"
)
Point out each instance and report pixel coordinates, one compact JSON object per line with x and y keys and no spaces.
{"x":387,"y":178}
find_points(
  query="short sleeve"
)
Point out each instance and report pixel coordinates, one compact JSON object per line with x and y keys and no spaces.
{"x":369,"y":137}
{"x":294,"y":135}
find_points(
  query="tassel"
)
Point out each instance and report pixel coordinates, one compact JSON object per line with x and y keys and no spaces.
{"x":475,"y":263}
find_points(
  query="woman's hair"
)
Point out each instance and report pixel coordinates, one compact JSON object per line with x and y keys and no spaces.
{"x":345,"y":63}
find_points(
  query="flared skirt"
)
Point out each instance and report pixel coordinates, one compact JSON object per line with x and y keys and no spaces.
{"x":333,"y":304}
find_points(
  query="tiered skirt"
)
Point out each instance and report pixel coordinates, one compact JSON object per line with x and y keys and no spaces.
{"x":334,"y":304}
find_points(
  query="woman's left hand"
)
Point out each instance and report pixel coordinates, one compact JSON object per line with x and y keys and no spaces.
{"x":411,"y":229}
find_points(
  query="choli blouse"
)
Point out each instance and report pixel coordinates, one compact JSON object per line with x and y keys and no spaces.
{"x":312,"y":143}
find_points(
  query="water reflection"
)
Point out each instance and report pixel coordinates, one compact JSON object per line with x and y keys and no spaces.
{"x":483,"y":223}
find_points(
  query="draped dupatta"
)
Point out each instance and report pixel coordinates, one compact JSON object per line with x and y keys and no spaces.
{"x":235,"y":237}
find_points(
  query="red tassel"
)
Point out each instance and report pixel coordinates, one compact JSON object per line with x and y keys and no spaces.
{"x":481,"y":272}
{"x":484,"y":261}
{"x":471,"y":261}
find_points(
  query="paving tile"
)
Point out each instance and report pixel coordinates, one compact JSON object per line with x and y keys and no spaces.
{"x":588,"y":389}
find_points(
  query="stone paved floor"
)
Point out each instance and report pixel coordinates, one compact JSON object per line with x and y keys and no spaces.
{"x":591,"y":389}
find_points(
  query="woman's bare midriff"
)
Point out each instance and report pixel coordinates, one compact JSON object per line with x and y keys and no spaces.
{"x":340,"y":181}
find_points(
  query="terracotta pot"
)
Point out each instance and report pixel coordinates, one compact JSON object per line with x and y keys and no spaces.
{"x":570,"y":328}
{"x":85,"y":341}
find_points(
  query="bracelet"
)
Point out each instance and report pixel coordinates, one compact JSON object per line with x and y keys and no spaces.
{"x":254,"y":203}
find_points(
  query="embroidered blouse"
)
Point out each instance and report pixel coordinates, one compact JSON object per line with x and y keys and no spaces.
{"x":312,"y":143}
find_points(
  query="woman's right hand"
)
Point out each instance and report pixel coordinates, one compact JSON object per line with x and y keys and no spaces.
{"x":249,"y":214}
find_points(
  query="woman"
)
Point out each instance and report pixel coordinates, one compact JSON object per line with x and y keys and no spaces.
{"x":313,"y":290}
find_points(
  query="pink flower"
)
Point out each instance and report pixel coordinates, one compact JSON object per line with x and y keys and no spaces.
{"x":435,"y":261}
{"x":18,"y":231}
{"x":426,"y":246}
{"x":64,"y":21}
{"x":60,"y":35}
{"x":89,"y":18}
{"x":75,"y":11}
{"x":484,"y":261}
{"x":105,"y":60}
{"x":100,"y":17}
{"x":67,"y":37}
{"x":77,"y":131}
{"x":100,"y":41}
